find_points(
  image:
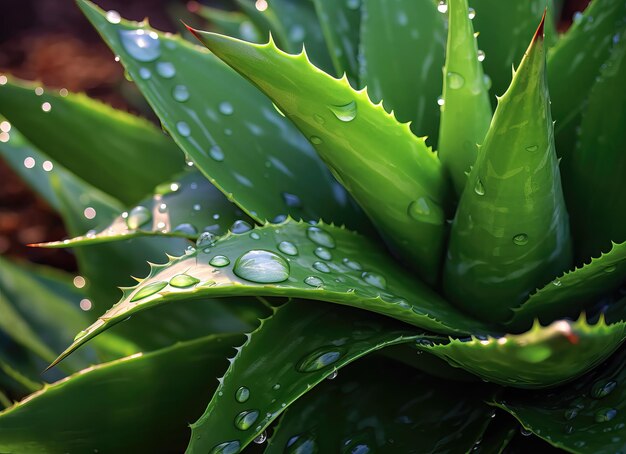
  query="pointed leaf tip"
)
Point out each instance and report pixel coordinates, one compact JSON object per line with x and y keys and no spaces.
{"x":539,"y":34}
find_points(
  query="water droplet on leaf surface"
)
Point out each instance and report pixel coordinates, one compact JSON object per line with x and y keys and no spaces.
{"x":345,"y":112}
{"x":142,"y":45}
{"x":319,"y":359}
{"x":137,"y":217}
{"x":263,"y":267}
{"x":455,"y":80}
{"x":288,"y":248}
{"x":219,"y":261}
{"x":320,"y":237}
{"x":148,"y":290}
{"x":242,"y":394}
{"x":245,"y":419}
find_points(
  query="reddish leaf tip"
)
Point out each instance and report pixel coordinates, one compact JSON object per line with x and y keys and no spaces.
{"x":539,"y":34}
{"x":192,"y":30}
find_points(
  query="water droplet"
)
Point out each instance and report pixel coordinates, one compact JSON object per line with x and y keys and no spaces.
{"x":320,"y":237}
{"x":321,"y":267}
{"x":314,"y":281}
{"x":216,"y":153}
{"x":137,"y":217}
{"x":301,"y":444}
{"x":423,"y":210}
{"x":183,"y":281}
{"x":481,"y":55}
{"x":520,"y":239}
{"x":245,"y":419}
{"x":255,"y":236}
{"x":440,"y":101}
{"x":315,"y":140}
{"x":180,"y":93}
{"x":610,"y":268}
{"x":219,"y":261}
{"x":141,"y":44}
{"x":190,"y":250}
{"x":319,"y":359}
{"x":165,"y":69}
{"x":602,"y":388}
{"x":323,"y":253}
{"x":292,"y":200}
{"x":242,"y":394}
{"x":525,"y":432}
{"x":571,"y":413}
{"x":113,"y":17}
{"x":82,"y":333}
{"x":333,"y":375}
{"x":186,"y":229}
{"x":605,"y":414}
{"x":471,"y":13}
{"x":442,"y":7}
{"x":532,"y":148}
{"x":145,"y":73}
{"x":226,"y":108}
{"x":206,"y":239}
{"x":240,"y":226}
{"x":287,"y":248}
{"x":148,"y":290}
{"x":352,"y":264}
{"x":260,"y":439}
{"x":345,"y":112}
{"x":183,"y":129}
{"x":319,"y":119}
{"x":374,"y":279}
{"x":228,"y":447}
{"x":479,"y":188}
{"x":557,"y":283}
{"x":455,"y":80}
{"x":263,"y":267}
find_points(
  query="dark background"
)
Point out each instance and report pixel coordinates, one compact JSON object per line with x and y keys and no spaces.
{"x":50,"y":41}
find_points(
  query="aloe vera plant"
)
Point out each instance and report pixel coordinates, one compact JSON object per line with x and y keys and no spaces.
{"x":325,"y":194}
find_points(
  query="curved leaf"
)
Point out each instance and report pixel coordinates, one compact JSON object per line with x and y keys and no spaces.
{"x":391,"y":173}
{"x":598,"y":165}
{"x":296,"y":260}
{"x":78,"y":414}
{"x":575,"y":290}
{"x":119,"y":144}
{"x":265,"y":377}
{"x":587,"y":416}
{"x":184,"y":208}
{"x":466,"y":112}
{"x":401,"y":50}
{"x":232,"y":23}
{"x":511,"y":230}
{"x":379,"y":406}
{"x":541,"y":357}
{"x":230,"y":130}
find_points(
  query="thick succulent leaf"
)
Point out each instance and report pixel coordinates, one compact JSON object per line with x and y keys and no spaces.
{"x":265,"y":377}
{"x":587,"y":416}
{"x":511,"y":232}
{"x":573,"y":65}
{"x":297,"y":260}
{"x":232,"y":23}
{"x":294,"y":25}
{"x":391,"y":173}
{"x":401,"y":50}
{"x":380,"y":406}
{"x":575,"y":290}
{"x":227,"y":127}
{"x":186,"y":207}
{"x":542,"y":357}
{"x":597,"y":168}
{"x":78,"y":415}
{"x":341,"y":24}
{"x":504,"y":29}
{"x":466,"y":110}
{"x":65,"y":125}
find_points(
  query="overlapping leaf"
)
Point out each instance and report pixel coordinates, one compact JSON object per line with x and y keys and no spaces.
{"x":232,"y":23}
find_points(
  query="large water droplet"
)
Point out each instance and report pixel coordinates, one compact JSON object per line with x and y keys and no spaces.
{"x":219,"y":261}
{"x":424,"y":210}
{"x":352,"y":264}
{"x":240,"y":226}
{"x":520,"y":239}
{"x":142,"y":45}
{"x":242,"y":394}
{"x":314,"y":281}
{"x":605,"y":414}
{"x":321,"y":267}
{"x":145,"y":73}
{"x":455,"y":80}
{"x":206,"y":239}
{"x":216,"y":153}
{"x":602,"y":388}
{"x":148,"y":290}
{"x":113,"y":17}
{"x":260,"y":439}
{"x":479,"y":188}
{"x":345,"y":112}
{"x":323,"y":253}
{"x":481,"y":55}
{"x":442,"y":7}
{"x":165,"y":69}
{"x":137,"y":217}
{"x":320,"y":237}
{"x":374,"y":279}
{"x":245,"y":419}
{"x":183,"y":129}
{"x":180,"y":93}
{"x":319,"y":359}
{"x":288,"y":248}
{"x":226,"y":108}
{"x":228,"y":447}
{"x":183,"y":281}
{"x":292,"y":200}
{"x":186,"y":229}
{"x":263,"y":267}
{"x":471,"y":13}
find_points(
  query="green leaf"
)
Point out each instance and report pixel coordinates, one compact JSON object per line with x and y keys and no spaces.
{"x":401,"y":50}
{"x":573,"y":65}
{"x":379,"y":406}
{"x":541,"y":357}
{"x":391,"y":173}
{"x":186,"y":207}
{"x":75,"y":415}
{"x":295,"y":260}
{"x":575,"y":290}
{"x":511,"y":230}
{"x":265,"y":377}
{"x":232,"y":23}
{"x":498,"y":434}
{"x":341,"y":24}
{"x":118,"y":144}
{"x":587,"y":416}
{"x":231,"y":131}
{"x":598,"y":166}
{"x":466,"y":112}
{"x":504,"y":29}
